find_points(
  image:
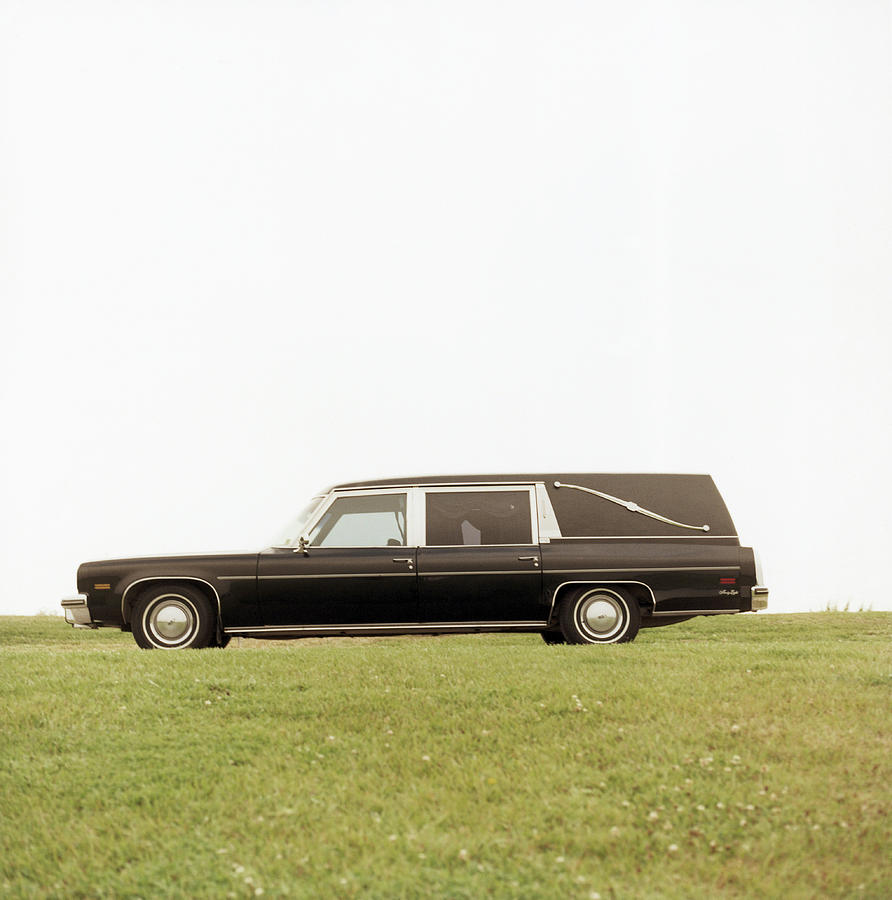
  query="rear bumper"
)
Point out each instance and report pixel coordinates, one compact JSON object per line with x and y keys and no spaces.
{"x":760,"y":598}
{"x":77,"y":613}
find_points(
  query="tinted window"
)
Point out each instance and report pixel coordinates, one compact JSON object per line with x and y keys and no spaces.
{"x":478,"y":517}
{"x":368,"y":521}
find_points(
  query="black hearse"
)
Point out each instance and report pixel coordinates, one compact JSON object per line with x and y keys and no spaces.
{"x":581,"y":559}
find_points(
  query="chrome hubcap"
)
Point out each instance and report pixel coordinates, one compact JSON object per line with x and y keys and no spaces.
{"x":601,"y":616}
{"x":171,"y":620}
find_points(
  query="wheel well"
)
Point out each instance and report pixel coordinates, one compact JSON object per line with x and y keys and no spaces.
{"x":135,"y":591}
{"x":638,"y":590}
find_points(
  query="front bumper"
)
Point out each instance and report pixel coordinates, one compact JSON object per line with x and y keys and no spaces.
{"x":760,"y":598}
{"x":77,"y":613}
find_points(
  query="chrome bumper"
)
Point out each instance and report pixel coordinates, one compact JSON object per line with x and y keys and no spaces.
{"x":760,"y":597}
{"x":77,"y":613}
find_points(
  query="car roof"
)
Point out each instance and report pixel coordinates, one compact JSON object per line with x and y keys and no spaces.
{"x":527,"y":478}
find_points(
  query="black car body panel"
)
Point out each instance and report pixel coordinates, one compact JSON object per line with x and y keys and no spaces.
{"x":229,"y":578}
{"x":460,"y":554}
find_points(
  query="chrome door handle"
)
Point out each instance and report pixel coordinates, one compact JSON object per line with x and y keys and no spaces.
{"x":411,"y":562}
{"x":533,"y":559}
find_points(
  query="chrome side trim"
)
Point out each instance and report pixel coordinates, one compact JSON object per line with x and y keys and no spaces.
{"x":563,"y":584}
{"x":649,"y":537}
{"x":695,"y":612}
{"x":632,"y":506}
{"x":534,"y":570}
{"x":166,"y":578}
{"x":340,"y":575}
{"x":73,"y":601}
{"x":473,"y":546}
{"x":399,"y":574}
{"x":458,"y":485}
{"x":408,"y":626}
{"x":646,"y":569}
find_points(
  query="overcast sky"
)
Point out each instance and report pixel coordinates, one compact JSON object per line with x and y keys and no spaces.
{"x":251,"y":249}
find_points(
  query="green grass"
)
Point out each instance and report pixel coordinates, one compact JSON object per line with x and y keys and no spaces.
{"x":744,"y":756}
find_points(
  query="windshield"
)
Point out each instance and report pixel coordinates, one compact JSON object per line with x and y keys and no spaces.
{"x":289,"y":535}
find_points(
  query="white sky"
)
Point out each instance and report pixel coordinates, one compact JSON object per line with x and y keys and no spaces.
{"x":251,"y":249}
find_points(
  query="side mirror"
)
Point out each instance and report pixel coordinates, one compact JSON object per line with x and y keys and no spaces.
{"x":302,"y":544}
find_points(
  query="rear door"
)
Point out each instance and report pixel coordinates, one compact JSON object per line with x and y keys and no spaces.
{"x":480,"y":560}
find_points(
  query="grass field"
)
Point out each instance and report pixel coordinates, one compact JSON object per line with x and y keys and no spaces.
{"x":742,"y":757}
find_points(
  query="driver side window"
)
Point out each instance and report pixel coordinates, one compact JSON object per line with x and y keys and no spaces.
{"x":376,"y":520}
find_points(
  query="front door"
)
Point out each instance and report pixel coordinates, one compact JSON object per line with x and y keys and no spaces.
{"x":357,"y":569}
{"x":479,"y":563}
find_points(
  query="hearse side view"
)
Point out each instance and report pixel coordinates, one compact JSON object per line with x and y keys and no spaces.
{"x":579,"y":558}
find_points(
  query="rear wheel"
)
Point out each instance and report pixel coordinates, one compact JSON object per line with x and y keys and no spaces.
{"x":173,"y":617}
{"x":599,"y":615}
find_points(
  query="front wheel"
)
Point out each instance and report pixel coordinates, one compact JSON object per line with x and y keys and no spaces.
{"x":173,"y":617}
{"x":597,"y":615}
